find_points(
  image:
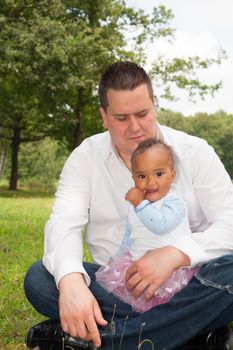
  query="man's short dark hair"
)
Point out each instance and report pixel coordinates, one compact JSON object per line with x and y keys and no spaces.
{"x":150,"y":143}
{"x":123,"y":75}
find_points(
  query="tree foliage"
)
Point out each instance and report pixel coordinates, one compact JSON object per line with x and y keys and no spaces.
{"x":51,"y":57}
{"x":41,"y":162}
{"x":52,"y":54}
{"x":182,"y":73}
{"x":216,"y":129}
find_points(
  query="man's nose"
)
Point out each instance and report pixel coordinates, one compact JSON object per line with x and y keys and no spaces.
{"x":134,"y":124}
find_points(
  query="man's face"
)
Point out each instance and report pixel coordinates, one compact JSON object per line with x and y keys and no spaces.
{"x":130,"y":118}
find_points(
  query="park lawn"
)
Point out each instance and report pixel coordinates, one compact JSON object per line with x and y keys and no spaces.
{"x":22,"y":218}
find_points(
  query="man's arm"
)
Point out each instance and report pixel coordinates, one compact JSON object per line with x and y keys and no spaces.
{"x":213,"y":189}
{"x":63,"y":249}
{"x":79,"y":310}
{"x":63,"y":245}
{"x":153,"y":269}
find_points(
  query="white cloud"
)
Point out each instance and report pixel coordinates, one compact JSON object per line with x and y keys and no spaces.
{"x":203,"y":26}
{"x":188,"y":44}
{"x":223,"y":99}
{"x":216,"y":12}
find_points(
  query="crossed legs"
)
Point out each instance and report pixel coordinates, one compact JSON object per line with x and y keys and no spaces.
{"x":205,"y":304}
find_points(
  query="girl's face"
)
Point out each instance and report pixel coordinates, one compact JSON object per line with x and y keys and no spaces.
{"x":153,"y":173}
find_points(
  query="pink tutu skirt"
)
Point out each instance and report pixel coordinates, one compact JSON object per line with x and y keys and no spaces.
{"x":112,"y":278}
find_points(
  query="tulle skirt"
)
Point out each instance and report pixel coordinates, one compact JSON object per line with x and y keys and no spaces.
{"x":112,"y":278}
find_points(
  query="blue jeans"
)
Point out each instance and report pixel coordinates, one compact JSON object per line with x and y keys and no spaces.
{"x":204,"y":304}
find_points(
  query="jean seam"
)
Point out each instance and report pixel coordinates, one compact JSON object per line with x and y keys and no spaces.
{"x":204,"y":277}
{"x":209,"y":273}
{"x":209,"y":283}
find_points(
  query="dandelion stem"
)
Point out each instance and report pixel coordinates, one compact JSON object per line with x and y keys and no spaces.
{"x":140,"y":333}
{"x":146,"y":341}
{"x":112,"y":324}
{"x":123,"y":332}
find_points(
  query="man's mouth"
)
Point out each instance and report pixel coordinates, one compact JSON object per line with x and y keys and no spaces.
{"x":137,"y":138}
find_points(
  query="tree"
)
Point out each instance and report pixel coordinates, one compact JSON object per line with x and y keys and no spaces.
{"x":51,"y":57}
{"x":174,"y":120}
{"x":41,"y":163}
{"x":216,"y":129}
{"x":182,"y":73}
{"x":3,"y":154}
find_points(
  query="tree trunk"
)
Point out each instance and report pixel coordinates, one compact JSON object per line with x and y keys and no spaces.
{"x":79,"y":116}
{"x":2,"y":158}
{"x":14,"y":160}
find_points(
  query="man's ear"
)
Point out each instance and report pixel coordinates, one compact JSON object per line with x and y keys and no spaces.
{"x":104,"y":117}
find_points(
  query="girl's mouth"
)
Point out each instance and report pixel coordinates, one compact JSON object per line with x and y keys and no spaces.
{"x":151,"y":191}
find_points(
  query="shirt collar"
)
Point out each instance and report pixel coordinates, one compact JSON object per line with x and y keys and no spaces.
{"x":109,"y":151}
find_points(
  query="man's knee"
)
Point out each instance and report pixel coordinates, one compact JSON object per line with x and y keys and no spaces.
{"x":38,"y":281}
{"x":41,"y":290}
{"x":218,"y":273}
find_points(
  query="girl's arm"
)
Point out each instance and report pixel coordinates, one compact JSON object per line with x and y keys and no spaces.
{"x":164,"y":219}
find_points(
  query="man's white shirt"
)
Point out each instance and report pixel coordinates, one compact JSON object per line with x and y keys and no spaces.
{"x":91,"y":194}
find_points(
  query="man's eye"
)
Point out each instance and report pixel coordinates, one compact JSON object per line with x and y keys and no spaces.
{"x":121,"y":119}
{"x":142,"y":115}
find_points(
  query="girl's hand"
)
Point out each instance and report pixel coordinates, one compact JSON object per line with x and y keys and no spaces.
{"x":135,"y":196}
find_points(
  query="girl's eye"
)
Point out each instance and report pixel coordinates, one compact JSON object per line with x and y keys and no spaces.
{"x":141,"y":176}
{"x":159,"y":173}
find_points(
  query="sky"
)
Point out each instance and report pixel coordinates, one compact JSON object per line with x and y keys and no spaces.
{"x":202,"y":27}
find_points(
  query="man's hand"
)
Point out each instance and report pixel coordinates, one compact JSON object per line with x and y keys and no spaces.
{"x":153,"y":269}
{"x":135,"y":196}
{"x":79,"y":310}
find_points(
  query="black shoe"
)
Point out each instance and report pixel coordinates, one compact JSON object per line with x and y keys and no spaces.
{"x":219,"y":339}
{"x":48,"y":335}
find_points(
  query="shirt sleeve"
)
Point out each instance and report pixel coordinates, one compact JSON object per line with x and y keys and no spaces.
{"x":63,"y":245}
{"x":164,"y":219}
{"x":214,"y":191}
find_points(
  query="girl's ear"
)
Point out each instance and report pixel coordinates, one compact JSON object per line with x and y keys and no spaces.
{"x":173,"y":174}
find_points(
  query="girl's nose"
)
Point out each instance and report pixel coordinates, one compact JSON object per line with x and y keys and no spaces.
{"x":150,"y":180}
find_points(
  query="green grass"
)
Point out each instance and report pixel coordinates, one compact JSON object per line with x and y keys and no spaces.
{"x":22,"y":218}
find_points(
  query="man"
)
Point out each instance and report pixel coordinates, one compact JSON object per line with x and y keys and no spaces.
{"x":91,"y":192}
